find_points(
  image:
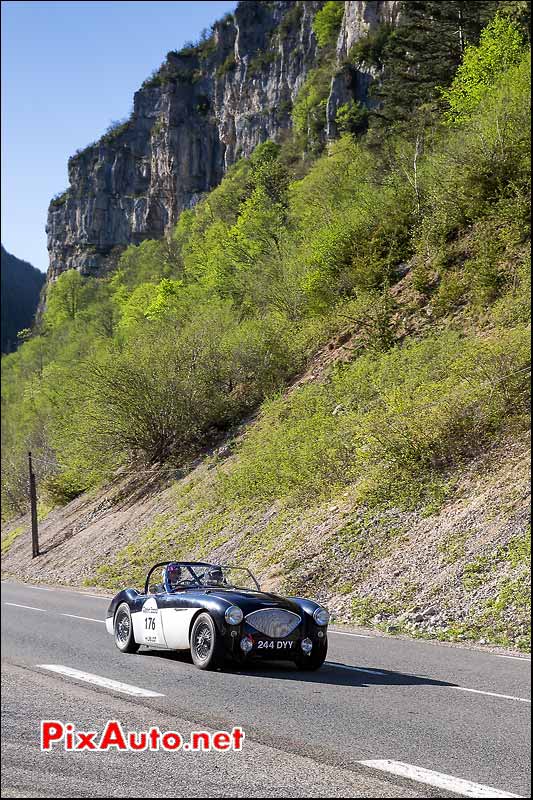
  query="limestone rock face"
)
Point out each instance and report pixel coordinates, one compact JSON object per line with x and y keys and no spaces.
{"x":354,"y":82}
{"x":205,"y":108}
{"x":359,"y":18}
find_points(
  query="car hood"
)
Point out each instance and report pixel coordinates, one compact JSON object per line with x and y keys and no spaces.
{"x":249,"y":601}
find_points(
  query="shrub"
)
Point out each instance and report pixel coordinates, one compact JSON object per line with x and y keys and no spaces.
{"x":369,"y":49}
{"x":261,"y":61}
{"x":291,"y":19}
{"x":115,"y":129}
{"x":227,"y":65}
{"x":500,"y":47}
{"x":59,"y":199}
{"x":327,"y":23}
{"x":352,"y":117}
{"x":156,"y":79}
{"x":402,"y":421}
{"x":309,"y":109}
{"x":453,"y":288}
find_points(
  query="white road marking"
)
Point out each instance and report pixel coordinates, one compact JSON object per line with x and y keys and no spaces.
{"x":60,"y":591}
{"x":61,"y":614}
{"x":359,"y":635}
{"x":41,"y":588}
{"x":89,"y":619}
{"x":355,"y":669}
{"x":438,"y":779}
{"x":98,"y":680}
{"x":516,"y":658}
{"x":460,"y":688}
{"x":492,"y":694}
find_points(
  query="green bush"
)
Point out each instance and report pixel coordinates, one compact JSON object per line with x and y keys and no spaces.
{"x":352,"y":117}
{"x":393,"y":424}
{"x":327,"y":23}
{"x":369,"y":49}
{"x":309,"y":108}
{"x":500,"y":48}
{"x":116,"y":129}
{"x":480,"y":164}
{"x":59,"y":199}
{"x":291,"y":19}
{"x":228,"y":65}
{"x":261,"y":61}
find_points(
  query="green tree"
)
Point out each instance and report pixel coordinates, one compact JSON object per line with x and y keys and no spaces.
{"x":66,"y":298}
{"x":352,"y":117}
{"x":327,"y":23}
{"x":501,"y":46}
{"x":309,"y":110}
{"x":422,"y":53}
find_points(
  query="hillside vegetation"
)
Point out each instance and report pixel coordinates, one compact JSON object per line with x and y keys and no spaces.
{"x":411,"y":247}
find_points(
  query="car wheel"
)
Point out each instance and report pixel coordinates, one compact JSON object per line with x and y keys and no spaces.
{"x":123,"y":629}
{"x":205,"y":643}
{"x":314,"y":660}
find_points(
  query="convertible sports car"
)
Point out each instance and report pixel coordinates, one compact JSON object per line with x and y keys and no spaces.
{"x":217,"y":612}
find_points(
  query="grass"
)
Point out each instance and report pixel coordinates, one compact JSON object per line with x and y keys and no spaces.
{"x":9,"y":538}
{"x":453,"y":547}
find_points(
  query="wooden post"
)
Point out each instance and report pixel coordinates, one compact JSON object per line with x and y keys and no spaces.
{"x":33,"y":504}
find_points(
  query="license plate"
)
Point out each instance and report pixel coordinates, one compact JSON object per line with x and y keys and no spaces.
{"x":273,"y":644}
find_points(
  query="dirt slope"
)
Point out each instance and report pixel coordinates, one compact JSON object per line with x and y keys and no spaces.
{"x":460,"y":573}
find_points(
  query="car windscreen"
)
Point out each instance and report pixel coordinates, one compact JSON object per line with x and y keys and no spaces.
{"x":227,"y":577}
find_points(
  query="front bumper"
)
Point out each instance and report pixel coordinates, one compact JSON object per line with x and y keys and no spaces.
{"x":265,"y":647}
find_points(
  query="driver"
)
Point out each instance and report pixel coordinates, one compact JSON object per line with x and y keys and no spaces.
{"x":216,"y":576}
{"x":171,"y":576}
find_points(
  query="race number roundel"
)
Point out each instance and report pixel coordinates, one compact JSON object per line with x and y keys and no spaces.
{"x":152,"y":630}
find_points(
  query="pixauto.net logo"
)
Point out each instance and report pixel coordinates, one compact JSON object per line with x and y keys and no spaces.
{"x":56,"y":734}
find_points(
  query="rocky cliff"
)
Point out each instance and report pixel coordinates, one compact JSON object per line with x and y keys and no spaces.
{"x":204,"y":108}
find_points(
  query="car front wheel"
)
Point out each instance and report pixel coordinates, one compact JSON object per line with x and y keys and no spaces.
{"x":123,"y":629}
{"x":314,"y":660}
{"x":205,"y":643}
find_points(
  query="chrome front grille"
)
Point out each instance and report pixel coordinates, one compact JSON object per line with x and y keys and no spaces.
{"x":274,"y":622}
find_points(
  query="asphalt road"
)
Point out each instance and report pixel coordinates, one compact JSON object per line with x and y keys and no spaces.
{"x":452,"y":711}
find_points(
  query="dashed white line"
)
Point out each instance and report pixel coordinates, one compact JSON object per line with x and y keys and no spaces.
{"x":41,"y":588}
{"x":492,"y":694}
{"x":516,"y":658}
{"x":98,"y":680}
{"x":88,"y":619}
{"x":359,"y":635}
{"x":437,"y":779}
{"x":460,"y":688}
{"x":60,"y":613}
{"x":60,"y":591}
{"x":31,"y":608}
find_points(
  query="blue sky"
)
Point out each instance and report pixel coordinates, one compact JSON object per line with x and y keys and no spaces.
{"x":68,"y":70}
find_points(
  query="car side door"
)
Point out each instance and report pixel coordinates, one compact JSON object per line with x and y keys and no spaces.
{"x":147,"y":623}
{"x":177,"y":612}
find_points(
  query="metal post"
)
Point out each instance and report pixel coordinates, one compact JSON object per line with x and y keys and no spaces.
{"x":33,"y":504}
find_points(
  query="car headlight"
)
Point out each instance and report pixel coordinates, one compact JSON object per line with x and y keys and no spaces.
{"x":233,"y":615}
{"x":321,"y":616}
